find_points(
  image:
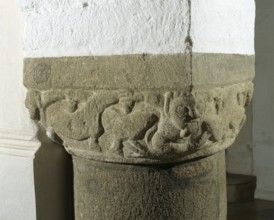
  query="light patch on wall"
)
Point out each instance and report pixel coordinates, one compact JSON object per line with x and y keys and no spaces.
{"x":105,"y":27}
{"x":95,"y":27}
{"x":223,"y":26}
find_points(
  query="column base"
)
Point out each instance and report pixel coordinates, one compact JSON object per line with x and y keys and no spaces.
{"x":190,"y":191}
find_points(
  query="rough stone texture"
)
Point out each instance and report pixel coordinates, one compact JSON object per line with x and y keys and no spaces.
{"x":113,"y":72}
{"x":139,"y":115}
{"x":221,"y":69}
{"x":191,"y":191}
{"x":144,"y":109}
{"x":137,"y":72}
{"x":143,"y":127}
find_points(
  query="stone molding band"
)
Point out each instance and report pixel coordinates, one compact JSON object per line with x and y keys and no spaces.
{"x":137,"y":72}
{"x":140,"y":121}
{"x":19,"y":143}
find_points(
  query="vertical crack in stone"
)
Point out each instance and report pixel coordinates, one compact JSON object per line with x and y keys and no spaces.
{"x":189,"y":44}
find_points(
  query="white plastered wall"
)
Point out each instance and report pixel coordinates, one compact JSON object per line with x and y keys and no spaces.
{"x":17,"y":147}
{"x":17,"y":191}
{"x":13,"y":114}
{"x":106,"y":27}
{"x":220,"y":26}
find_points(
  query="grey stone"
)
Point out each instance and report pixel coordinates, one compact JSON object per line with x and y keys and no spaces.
{"x":190,"y":191}
{"x":221,"y":69}
{"x":143,"y":127}
{"x":110,"y":72}
{"x":138,"y":72}
{"x":147,"y":132}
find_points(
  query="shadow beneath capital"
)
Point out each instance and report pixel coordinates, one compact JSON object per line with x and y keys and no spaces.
{"x":53,"y":178}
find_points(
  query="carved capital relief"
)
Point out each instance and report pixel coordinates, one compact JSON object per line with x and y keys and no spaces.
{"x":129,"y":125}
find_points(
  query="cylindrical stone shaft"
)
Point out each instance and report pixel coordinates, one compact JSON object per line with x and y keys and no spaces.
{"x":188,"y":191}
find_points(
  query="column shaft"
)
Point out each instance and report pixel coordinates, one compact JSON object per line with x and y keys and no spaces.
{"x":194,"y":190}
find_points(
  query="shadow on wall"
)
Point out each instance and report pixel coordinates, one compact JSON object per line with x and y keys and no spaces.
{"x":53,"y":176}
{"x":263,"y":107}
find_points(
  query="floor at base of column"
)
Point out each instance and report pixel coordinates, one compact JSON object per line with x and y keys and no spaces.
{"x":253,"y":210}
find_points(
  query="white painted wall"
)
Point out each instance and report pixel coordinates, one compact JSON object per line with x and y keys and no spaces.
{"x":17,"y":148}
{"x":220,"y":26}
{"x":16,"y":188}
{"x":106,"y":27}
{"x":13,"y":114}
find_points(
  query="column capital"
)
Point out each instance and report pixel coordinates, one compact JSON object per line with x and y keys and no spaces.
{"x":129,"y":117}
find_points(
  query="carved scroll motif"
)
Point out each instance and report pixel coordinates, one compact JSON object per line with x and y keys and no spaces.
{"x":142,"y":127}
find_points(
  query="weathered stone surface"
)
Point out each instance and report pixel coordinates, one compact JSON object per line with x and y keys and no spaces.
{"x":143,"y":127}
{"x":109,"y":72}
{"x":189,"y":191}
{"x":137,"y":72}
{"x":144,"y":109}
{"x":221,"y":69}
{"x":141,"y":108}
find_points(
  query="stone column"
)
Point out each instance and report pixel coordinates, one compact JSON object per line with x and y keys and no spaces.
{"x":145,"y":143}
{"x":148,"y":131}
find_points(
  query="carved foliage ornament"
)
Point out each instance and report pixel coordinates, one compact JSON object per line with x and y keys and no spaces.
{"x":142,"y":127}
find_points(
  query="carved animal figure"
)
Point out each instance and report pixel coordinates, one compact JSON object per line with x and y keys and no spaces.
{"x":125,"y":121}
{"x":178,"y":127}
{"x":67,"y":116}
